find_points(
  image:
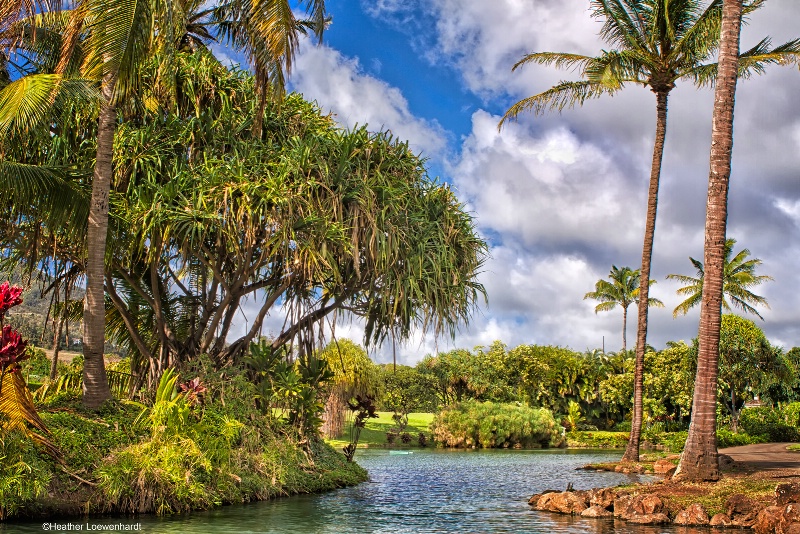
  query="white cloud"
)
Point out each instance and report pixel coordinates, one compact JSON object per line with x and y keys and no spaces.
{"x":339,"y":84}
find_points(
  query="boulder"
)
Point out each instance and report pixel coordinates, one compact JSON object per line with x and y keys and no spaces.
{"x":746,"y":520}
{"x":786,"y":493}
{"x":663,"y":466}
{"x":603,"y":497}
{"x":767,"y":520}
{"x":739,"y":504}
{"x":694,"y":515}
{"x":726,"y":462}
{"x":568,"y":502}
{"x":535,"y":497}
{"x":596,"y":511}
{"x":649,"y":519}
{"x":629,"y":506}
{"x":720,"y":520}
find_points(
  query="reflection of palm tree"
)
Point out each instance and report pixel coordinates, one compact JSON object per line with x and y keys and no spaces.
{"x":738,"y":275}
{"x":658,"y":42}
{"x":623,"y":290}
{"x":700,"y":459}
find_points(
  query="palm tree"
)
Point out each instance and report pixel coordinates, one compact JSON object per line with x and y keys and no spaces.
{"x":117,"y":37}
{"x":738,"y":275}
{"x":623,"y":290}
{"x":658,"y":42}
{"x":700,"y":459}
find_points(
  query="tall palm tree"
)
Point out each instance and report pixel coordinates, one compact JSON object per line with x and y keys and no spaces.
{"x":116,"y":38}
{"x":738,"y":275}
{"x":700,"y":459}
{"x":657,"y":43}
{"x":623,"y":290}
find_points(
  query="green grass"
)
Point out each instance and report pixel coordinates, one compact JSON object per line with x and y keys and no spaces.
{"x":374,"y":434}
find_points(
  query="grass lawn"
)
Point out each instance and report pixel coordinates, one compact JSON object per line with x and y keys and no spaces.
{"x":374,"y":434}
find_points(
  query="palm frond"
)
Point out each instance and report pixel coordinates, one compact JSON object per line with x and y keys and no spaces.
{"x":563,"y":95}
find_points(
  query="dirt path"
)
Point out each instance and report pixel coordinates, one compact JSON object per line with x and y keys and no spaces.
{"x":765,"y":457}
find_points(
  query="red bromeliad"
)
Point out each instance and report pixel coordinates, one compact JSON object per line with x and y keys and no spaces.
{"x":12,"y":350}
{"x":10,"y":296}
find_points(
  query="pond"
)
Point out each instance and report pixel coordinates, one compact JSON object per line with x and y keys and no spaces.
{"x":425,"y":491}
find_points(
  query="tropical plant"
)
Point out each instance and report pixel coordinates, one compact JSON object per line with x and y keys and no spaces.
{"x":738,"y":276}
{"x":658,"y":42}
{"x":353,"y":374}
{"x":17,"y":411}
{"x":699,"y":460}
{"x":623,"y":290}
{"x":108,"y":43}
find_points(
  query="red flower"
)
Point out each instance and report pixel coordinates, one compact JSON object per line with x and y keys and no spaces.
{"x":12,"y":348}
{"x":10,"y":296}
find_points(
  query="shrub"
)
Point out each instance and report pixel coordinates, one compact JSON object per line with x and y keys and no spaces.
{"x":791,"y":414}
{"x":24,"y":477}
{"x":489,"y":425}
{"x":623,"y":426}
{"x":769,"y":423}
{"x":726,"y":438}
{"x":675,"y":441}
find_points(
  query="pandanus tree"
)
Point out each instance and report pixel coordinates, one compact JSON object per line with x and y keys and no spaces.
{"x":738,"y":275}
{"x":106,"y":43}
{"x":700,"y":459}
{"x":622,"y":290}
{"x":656,"y":44}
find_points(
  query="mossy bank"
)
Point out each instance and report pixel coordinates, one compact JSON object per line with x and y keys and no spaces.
{"x":167,"y":458}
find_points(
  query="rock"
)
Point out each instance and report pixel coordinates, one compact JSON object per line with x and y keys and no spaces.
{"x":694,"y":515}
{"x":603,"y":497}
{"x":596,"y":511}
{"x":649,"y":519}
{"x":651,"y":504}
{"x":786,"y":493}
{"x":668,"y":475}
{"x":738,"y":504}
{"x":535,"y":497}
{"x":767,"y":520}
{"x":568,"y":502}
{"x":629,"y":506}
{"x":619,"y":468}
{"x":662,"y":466}
{"x":725,"y":461}
{"x":720,"y":520}
{"x":746,"y":520}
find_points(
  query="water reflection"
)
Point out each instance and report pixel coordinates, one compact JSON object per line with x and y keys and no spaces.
{"x":425,"y":492}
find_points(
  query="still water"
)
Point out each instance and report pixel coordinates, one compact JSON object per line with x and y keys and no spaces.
{"x":427,"y":491}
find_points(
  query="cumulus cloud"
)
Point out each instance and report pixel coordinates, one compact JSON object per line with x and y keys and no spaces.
{"x":340,"y":85}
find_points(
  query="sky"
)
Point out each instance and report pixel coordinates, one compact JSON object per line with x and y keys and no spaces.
{"x":561,"y":198}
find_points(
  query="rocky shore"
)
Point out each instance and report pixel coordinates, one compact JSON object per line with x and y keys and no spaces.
{"x":654,"y":504}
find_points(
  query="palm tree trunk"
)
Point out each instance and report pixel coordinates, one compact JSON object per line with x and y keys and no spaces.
{"x":95,"y":382}
{"x":632,"y":450}
{"x":624,"y":329}
{"x":699,"y":460}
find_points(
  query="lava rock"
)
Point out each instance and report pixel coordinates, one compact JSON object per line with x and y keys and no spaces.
{"x":694,"y":515}
{"x":596,"y":511}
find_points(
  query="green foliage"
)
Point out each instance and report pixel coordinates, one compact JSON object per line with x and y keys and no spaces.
{"x":406,"y":389}
{"x":768,"y":423}
{"x":24,"y":477}
{"x":37,"y":366}
{"x":598,"y":440}
{"x":492,"y":425}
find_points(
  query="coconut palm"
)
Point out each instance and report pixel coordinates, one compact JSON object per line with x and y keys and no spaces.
{"x":623,"y":290}
{"x":700,"y":459}
{"x":738,"y":275}
{"x":657,"y":43}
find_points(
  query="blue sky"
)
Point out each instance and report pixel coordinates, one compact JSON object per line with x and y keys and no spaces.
{"x":562,"y":196}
